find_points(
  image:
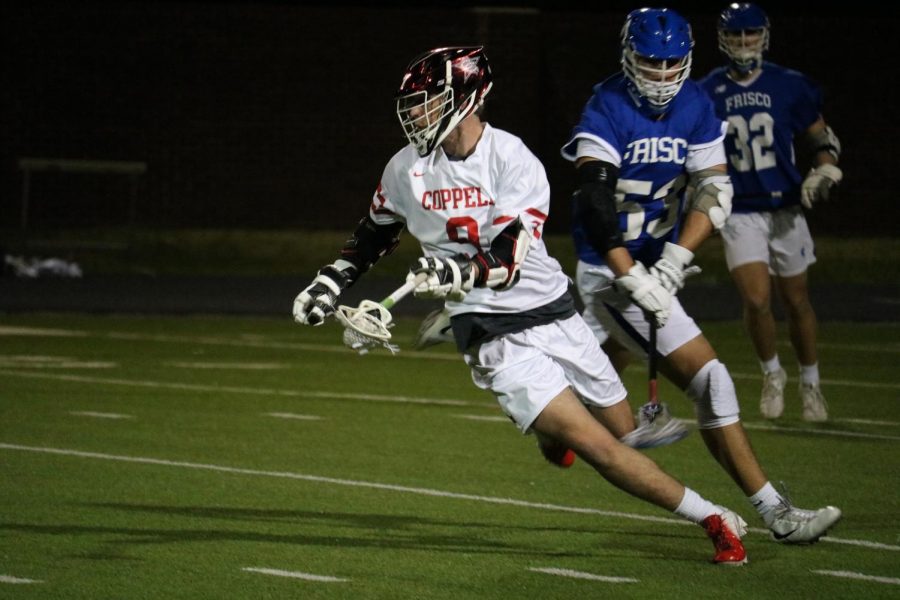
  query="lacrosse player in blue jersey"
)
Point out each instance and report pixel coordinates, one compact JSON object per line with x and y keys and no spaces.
{"x":767,"y":108}
{"x":645,"y":135}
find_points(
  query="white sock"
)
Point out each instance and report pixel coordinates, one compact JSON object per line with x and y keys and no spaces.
{"x":695,"y":507}
{"x":765,"y":501}
{"x":771,"y":365}
{"x":809,"y":374}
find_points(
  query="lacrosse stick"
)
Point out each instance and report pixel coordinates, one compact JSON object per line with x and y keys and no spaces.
{"x":367,"y":326}
{"x":656,"y":426}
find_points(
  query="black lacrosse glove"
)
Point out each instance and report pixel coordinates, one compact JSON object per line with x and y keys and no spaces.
{"x":317,"y":301}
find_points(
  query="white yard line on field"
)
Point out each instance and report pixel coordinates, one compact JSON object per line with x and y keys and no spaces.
{"x":860,"y":576}
{"x":812,"y":431}
{"x":295,"y":575}
{"x":191,"y":387}
{"x":852,"y":347}
{"x":763,"y":426}
{"x":40,"y":332}
{"x":868,"y":422}
{"x":496,"y":419}
{"x":582,"y":575}
{"x":826,"y":382}
{"x":240,"y":366}
{"x":17,"y":580}
{"x":397,"y":488}
{"x":99,"y":415}
{"x":29,"y":361}
{"x":280,"y":415}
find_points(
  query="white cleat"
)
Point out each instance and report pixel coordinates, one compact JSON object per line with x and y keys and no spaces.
{"x":815,"y":409}
{"x":797,"y":526}
{"x":771,"y":401}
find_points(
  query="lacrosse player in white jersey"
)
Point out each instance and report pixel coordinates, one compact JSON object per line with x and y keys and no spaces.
{"x":476,"y":200}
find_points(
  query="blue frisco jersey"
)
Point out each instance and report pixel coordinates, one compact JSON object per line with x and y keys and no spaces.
{"x":651,"y":152}
{"x":763,"y":118}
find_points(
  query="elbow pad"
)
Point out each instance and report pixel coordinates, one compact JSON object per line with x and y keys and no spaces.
{"x":369,"y":243}
{"x":595,"y":205}
{"x":825,"y":140}
{"x":499,"y":267}
{"x":713,"y":195}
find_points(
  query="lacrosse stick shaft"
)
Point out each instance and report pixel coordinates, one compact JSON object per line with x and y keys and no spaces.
{"x":651,"y":365}
{"x":402,"y":291}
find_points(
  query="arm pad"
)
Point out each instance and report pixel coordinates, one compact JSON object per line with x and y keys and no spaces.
{"x":713,"y":195}
{"x":825,"y":140}
{"x":595,"y":204}
{"x":498,"y":268}
{"x":369,"y":243}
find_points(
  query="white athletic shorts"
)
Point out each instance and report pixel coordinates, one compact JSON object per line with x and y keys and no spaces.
{"x":608,"y":312}
{"x":527,"y":369}
{"x":780,"y":239}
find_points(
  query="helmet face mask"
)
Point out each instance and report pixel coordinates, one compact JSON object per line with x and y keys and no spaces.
{"x":440,"y":89}
{"x":422,"y":116}
{"x":656,"y":54}
{"x":743,"y":32}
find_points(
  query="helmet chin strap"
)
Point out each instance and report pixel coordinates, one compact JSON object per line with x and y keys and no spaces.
{"x":642,"y":103}
{"x":466,"y":139}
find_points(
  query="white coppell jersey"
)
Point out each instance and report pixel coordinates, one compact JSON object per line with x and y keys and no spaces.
{"x":453,"y":206}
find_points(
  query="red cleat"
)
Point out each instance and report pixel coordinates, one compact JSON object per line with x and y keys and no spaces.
{"x":725,"y":531}
{"x":557,"y":454}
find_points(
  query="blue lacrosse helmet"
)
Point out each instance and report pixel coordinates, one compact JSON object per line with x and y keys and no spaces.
{"x":743,"y":31}
{"x":656,"y":54}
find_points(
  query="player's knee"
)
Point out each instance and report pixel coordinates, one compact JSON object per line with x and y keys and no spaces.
{"x":757,"y":304}
{"x":714,"y":396}
{"x":799,"y":308}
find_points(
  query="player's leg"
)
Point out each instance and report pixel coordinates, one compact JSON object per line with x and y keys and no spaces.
{"x":800,"y":315}
{"x":792,"y":250}
{"x":753,"y":282}
{"x":694,"y":367}
{"x":591,"y":380}
{"x":746,"y":240}
{"x":543,"y":376}
{"x":803,"y":329}
{"x":564,"y":418}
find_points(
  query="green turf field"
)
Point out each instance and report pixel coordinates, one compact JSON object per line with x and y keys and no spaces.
{"x":209,"y":457}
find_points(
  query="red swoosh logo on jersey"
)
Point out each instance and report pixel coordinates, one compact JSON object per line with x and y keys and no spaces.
{"x":418,"y":174}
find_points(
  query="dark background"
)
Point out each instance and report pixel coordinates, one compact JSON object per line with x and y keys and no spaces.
{"x":280,"y":114}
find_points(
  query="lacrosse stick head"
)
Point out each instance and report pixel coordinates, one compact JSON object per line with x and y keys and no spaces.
{"x":366,"y":326}
{"x":655,"y":427}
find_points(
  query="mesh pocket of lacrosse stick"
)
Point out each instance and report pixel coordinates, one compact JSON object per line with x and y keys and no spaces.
{"x":366,"y":326}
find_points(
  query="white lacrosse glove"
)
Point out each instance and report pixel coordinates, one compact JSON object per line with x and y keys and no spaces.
{"x":451,"y":277}
{"x":672,"y":267}
{"x":819,"y":183}
{"x":645,"y":291}
{"x":318,"y":300}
